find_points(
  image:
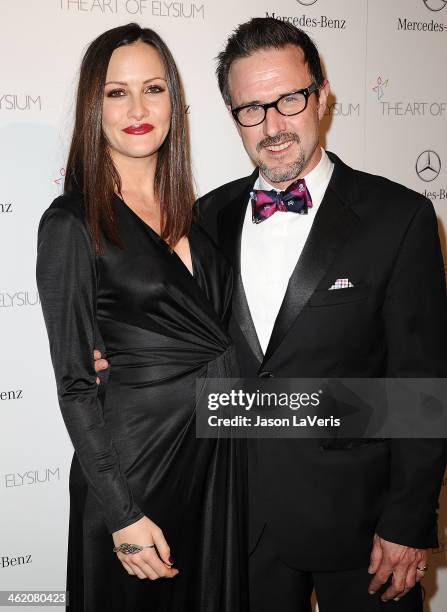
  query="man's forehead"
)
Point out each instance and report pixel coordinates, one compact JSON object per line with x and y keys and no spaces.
{"x":271,"y":68}
{"x":269,"y":57}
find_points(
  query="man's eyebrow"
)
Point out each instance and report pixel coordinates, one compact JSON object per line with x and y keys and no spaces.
{"x":249,"y":103}
{"x":286,"y":93}
{"x":144,"y":82}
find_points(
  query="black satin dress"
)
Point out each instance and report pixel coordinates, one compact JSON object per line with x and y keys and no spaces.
{"x":136,"y":451}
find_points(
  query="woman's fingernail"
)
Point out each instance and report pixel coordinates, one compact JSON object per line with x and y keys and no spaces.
{"x":171,"y":560}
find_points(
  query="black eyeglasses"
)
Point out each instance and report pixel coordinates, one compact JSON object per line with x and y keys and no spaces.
{"x":289,"y":104}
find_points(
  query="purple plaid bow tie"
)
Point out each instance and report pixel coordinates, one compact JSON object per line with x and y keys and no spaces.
{"x":296,"y":198}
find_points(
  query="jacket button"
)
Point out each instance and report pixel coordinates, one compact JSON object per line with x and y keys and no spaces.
{"x":265,"y":375}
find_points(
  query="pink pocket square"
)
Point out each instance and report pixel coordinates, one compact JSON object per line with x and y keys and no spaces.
{"x":341,"y":283}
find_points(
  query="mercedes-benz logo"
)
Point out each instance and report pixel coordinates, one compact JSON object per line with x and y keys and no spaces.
{"x":309,"y":2}
{"x":435,"y":5}
{"x":428,"y":166}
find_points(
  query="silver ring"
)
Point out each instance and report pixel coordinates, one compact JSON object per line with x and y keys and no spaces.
{"x":130,"y":549}
{"x":422,"y":569}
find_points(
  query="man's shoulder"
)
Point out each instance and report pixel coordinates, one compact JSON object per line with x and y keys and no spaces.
{"x":209,"y":206}
{"x":227,"y":192}
{"x":376,"y":190}
{"x":399,"y":204}
{"x":386,"y":186}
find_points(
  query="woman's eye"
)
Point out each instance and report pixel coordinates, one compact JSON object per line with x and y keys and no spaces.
{"x":154,"y":89}
{"x":115,"y":93}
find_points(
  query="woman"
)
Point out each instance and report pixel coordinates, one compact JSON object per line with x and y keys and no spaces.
{"x":121,"y":266}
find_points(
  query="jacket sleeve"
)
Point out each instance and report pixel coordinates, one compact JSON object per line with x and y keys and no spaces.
{"x":415,"y":315}
{"x":66,"y":279}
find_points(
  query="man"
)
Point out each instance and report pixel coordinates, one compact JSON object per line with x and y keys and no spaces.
{"x":321,"y":516}
{"x":349,"y":518}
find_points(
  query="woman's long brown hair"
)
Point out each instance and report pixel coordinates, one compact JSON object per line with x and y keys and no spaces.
{"x":90,"y":168}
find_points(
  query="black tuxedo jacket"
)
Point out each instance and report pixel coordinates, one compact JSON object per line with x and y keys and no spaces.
{"x":325,"y":503}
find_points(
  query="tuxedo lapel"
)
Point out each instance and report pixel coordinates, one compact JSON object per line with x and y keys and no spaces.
{"x":231,"y":222}
{"x":333,"y":224}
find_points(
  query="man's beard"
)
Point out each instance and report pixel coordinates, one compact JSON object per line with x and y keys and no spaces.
{"x":284,"y":173}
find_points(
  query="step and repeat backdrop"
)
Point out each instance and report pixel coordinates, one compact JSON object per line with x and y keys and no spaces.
{"x":385,"y":60}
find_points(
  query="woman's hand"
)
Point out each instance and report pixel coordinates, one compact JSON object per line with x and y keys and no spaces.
{"x":146,"y":563}
{"x":100,"y":363}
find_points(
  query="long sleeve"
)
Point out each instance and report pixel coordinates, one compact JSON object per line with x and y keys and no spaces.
{"x":415,"y":315}
{"x":66,"y":279}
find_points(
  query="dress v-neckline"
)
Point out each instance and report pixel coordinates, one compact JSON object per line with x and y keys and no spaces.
{"x":157,"y":238}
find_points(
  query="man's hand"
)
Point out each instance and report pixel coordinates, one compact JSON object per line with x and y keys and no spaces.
{"x":399,"y":561}
{"x":100,"y":364}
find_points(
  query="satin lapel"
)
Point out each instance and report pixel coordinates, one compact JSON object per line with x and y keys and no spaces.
{"x":242,"y":316}
{"x":333,"y":225}
{"x":231,"y":221}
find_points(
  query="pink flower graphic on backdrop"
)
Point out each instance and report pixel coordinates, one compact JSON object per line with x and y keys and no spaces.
{"x":380,"y":87}
{"x":61,"y":177}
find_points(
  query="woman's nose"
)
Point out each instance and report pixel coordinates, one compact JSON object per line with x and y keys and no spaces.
{"x":137,"y":109}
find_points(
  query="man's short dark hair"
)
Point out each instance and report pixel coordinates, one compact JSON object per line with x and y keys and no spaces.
{"x":264,"y":33}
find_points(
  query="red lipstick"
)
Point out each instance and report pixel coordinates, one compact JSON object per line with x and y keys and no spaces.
{"x":139,"y":130}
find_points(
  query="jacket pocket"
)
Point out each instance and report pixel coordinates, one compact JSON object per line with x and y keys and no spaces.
{"x":330,"y":297}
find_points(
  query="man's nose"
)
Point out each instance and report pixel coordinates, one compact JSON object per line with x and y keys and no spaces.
{"x":274,"y":122}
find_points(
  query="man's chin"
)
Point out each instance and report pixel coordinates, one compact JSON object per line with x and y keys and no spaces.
{"x":283,"y":171}
{"x":280,"y":174}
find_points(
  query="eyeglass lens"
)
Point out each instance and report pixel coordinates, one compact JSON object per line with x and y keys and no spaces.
{"x":291,"y":104}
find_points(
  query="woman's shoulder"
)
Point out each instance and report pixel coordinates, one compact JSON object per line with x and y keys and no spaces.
{"x":65,"y":216}
{"x":67,"y":208}
{"x":69,"y":202}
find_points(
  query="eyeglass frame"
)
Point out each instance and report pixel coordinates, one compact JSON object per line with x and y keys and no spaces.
{"x":306,"y":91}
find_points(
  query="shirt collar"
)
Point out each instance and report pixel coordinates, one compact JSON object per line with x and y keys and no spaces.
{"x":320,"y":175}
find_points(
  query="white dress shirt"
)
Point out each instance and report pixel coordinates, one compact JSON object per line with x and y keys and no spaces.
{"x":270,"y":250}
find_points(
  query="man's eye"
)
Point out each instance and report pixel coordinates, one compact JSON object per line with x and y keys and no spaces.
{"x":116,"y":93}
{"x":251,"y":109}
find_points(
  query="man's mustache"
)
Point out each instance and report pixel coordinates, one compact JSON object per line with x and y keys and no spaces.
{"x":278,"y":139}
